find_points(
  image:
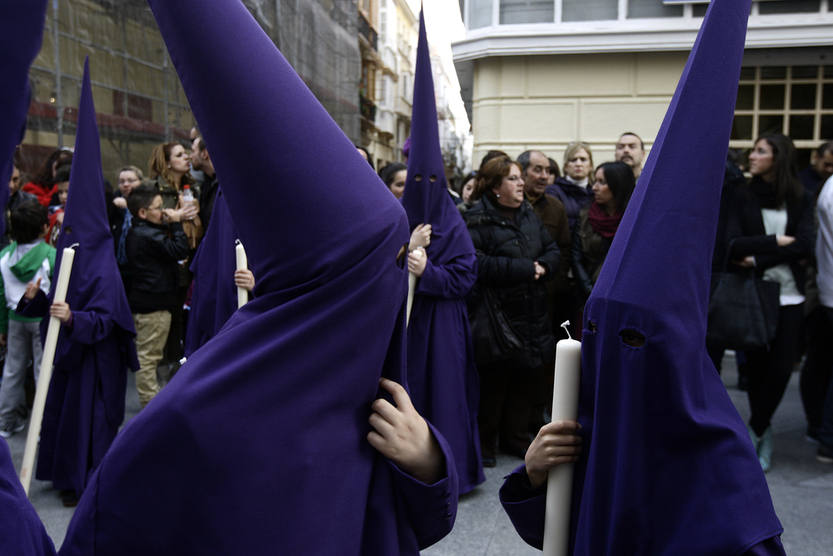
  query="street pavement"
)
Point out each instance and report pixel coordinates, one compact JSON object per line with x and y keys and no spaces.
{"x":801,"y":487}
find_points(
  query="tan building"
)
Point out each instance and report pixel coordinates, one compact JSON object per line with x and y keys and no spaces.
{"x":542,"y":73}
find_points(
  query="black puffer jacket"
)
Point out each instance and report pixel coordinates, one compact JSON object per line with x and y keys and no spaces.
{"x":506,"y":251}
{"x":152,"y":254}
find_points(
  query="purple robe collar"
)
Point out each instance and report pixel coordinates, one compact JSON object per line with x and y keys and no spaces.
{"x":666,"y":452}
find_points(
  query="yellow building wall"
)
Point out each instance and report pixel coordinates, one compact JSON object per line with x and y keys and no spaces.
{"x":546,"y":102}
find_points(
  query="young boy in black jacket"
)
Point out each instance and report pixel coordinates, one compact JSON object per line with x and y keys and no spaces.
{"x":154,"y":245}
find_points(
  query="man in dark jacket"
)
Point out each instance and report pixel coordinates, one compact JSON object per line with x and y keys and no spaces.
{"x":155,"y":243}
{"x":820,"y":168}
{"x":201,"y":161}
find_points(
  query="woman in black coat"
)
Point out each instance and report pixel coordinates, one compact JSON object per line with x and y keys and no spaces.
{"x":775,"y":217}
{"x":515,"y":255}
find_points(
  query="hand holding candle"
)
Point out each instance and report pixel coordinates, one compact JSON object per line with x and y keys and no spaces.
{"x":560,"y":479}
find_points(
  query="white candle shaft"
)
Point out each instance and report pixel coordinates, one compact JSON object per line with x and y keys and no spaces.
{"x":560,"y":478}
{"x":45,"y":374}
{"x":242,"y":264}
{"x":411,"y":287}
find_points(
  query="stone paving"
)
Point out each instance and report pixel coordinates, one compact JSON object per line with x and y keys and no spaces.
{"x":801,"y":487}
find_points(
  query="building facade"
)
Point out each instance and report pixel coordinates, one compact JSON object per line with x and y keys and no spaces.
{"x":138,"y":97}
{"x":543,"y":73}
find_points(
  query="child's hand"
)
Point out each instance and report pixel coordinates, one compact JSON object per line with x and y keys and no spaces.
{"x":188,"y":212}
{"x":61,"y":312}
{"x":244,"y":279}
{"x":32,"y":290}
{"x":417,"y":260}
{"x":120,"y":202}
{"x":556,"y":443}
{"x":402,"y":435}
{"x":420,"y":237}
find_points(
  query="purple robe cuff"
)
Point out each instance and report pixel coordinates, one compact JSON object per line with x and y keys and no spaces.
{"x":432,"y":508}
{"x":88,"y":327}
{"x":525,"y":505}
{"x":33,"y":308}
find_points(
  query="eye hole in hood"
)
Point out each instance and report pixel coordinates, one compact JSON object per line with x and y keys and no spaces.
{"x":632,"y":338}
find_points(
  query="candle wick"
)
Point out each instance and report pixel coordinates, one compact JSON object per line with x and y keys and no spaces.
{"x":564,"y":325}
{"x":74,"y":246}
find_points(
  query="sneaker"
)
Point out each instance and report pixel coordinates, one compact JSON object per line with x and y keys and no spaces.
{"x":489,"y":461}
{"x":9,"y":430}
{"x":824,"y":454}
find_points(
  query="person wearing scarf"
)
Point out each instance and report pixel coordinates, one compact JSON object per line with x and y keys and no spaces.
{"x":574,"y":188}
{"x":597,"y":224}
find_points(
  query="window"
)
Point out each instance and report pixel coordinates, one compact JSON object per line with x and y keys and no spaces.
{"x":526,"y":11}
{"x":589,"y":10}
{"x":652,"y":8}
{"x":794,"y":100}
{"x":789,"y":6}
{"x":480,"y":13}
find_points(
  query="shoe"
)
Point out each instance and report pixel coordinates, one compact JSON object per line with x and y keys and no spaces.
{"x":765,"y":450}
{"x":7,"y":431}
{"x":824,"y":454}
{"x":756,"y":440}
{"x":69,"y":499}
{"x":489,"y":461}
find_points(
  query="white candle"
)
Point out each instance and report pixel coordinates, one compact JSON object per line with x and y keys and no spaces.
{"x":560,"y":478}
{"x":45,"y":374}
{"x":412,"y":287}
{"x":242,"y":264}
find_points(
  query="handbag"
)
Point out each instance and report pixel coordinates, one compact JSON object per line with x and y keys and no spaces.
{"x":492,"y":335}
{"x":743,"y":311}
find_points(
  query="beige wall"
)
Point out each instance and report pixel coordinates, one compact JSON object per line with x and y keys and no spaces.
{"x":545,"y":102}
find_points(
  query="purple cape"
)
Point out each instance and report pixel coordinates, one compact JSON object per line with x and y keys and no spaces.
{"x":214,"y":296}
{"x":85,"y":403}
{"x":258,"y":445}
{"x":442,"y":375}
{"x":21,"y":530}
{"x":667,"y":465}
{"x":21,"y":31}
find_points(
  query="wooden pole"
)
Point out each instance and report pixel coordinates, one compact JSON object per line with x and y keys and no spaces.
{"x":45,"y":374}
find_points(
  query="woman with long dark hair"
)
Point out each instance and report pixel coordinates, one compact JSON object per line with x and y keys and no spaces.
{"x":515,"y":256}
{"x":613,"y":185}
{"x":775,"y":236}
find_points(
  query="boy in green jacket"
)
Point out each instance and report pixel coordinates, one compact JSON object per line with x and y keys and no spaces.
{"x":27,"y":259}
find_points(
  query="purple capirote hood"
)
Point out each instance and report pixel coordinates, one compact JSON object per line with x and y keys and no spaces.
{"x":666,"y":453}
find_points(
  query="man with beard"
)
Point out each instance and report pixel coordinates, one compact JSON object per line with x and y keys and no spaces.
{"x":631,"y":150}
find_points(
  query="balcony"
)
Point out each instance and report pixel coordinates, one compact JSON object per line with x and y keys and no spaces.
{"x":367,"y":108}
{"x":368,"y":33}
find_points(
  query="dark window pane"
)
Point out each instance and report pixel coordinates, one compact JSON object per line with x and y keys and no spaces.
{"x":652,"y":8}
{"x":742,"y":128}
{"x":772,"y":97}
{"x":801,"y":127}
{"x":827,"y":126}
{"x":827,"y":96}
{"x":747,"y":74}
{"x":805,"y":72}
{"x":774,"y":72}
{"x":700,"y":9}
{"x":789,"y":6}
{"x":772,"y":123}
{"x":746,"y":97}
{"x":803,"y":97}
{"x":828,"y":72}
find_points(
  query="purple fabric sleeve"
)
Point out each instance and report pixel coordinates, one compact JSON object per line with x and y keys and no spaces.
{"x":89,"y":327}
{"x":525,"y":506}
{"x":452,"y":280}
{"x":432,"y":508}
{"x":37,"y":307}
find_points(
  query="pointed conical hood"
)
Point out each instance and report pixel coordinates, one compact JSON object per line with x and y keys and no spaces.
{"x":95,"y":284}
{"x":284,"y":389}
{"x":426,"y":198}
{"x":665,"y":451}
{"x":280,"y":154}
{"x":21,"y":31}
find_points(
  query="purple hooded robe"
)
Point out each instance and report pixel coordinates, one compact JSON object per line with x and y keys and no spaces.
{"x":667,"y":466}
{"x":442,"y":375}
{"x":85,"y":403}
{"x":258,"y":445}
